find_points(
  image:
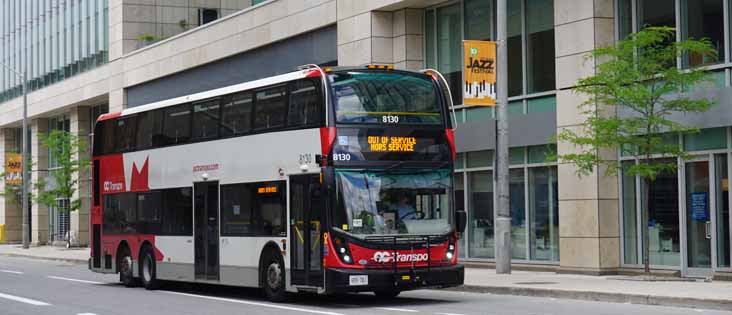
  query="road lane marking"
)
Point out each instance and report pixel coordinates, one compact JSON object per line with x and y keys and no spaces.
{"x":282,"y":307}
{"x":75,"y":280}
{"x":397,"y":309}
{"x":12,"y":271}
{"x":86,"y":314}
{"x":449,"y":314}
{"x":23,"y":300}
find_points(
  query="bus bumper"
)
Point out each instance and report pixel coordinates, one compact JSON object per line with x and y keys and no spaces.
{"x":339,"y":280}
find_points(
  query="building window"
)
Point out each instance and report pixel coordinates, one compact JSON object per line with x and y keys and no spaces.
{"x":703,"y":19}
{"x":206,"y":16}
{"x":517,"y":204}
{"x":534,"y":206}
{"x":630,"y":216}
{"x":530,"y":37}
{"x":539,"y":46}
{"x":480,"y":215}
{"x":544,"y":213}
{"x":449,"y":54}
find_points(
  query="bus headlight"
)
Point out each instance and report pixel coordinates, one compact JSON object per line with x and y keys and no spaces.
{"x":343,"y":251}
{"x":450,"y":254}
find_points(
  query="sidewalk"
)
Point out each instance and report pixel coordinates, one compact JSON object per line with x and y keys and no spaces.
{"x":620,"y":289}
{"x":75,"y":255}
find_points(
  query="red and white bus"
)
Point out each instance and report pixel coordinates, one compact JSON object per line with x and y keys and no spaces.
{"x":321,"y":180}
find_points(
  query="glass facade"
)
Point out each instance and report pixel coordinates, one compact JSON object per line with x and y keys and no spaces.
{"x":534,"y":204}
{"x":531,"y":73}
{"x":50,"y":40}
{"x":531,"y":85}
{"x":689,"y":220}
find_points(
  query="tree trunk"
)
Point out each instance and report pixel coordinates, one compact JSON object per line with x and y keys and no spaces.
{"x":645,"y":197}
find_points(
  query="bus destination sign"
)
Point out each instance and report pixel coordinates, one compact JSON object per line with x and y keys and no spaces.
{"x":391,"y":144}
{"x":394,"y":144}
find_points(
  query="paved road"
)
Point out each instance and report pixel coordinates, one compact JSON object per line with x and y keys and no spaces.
{"x":45,"y":287}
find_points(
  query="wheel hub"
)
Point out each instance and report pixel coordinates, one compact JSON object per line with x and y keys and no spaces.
{"x":126,"y":264}
{"x":274,"y":275}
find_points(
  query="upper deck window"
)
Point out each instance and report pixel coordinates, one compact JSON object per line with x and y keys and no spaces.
{"x":385,"y":97}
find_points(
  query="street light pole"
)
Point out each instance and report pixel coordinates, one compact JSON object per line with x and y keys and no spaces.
{"x":24,"y":164}
{"x":503,"y":213}
{"x":24,"y":156}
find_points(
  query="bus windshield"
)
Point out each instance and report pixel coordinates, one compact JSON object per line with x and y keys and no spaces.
{"x":385,"y":203}
{"x":385,"y":97}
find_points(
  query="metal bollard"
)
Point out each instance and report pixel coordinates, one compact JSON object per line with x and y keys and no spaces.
{"x":2,"y":233}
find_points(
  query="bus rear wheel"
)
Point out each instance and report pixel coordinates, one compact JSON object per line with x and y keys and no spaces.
{"x":147,"y":269}
{"x":126,"y":276}
{"x":273,"y":277}
{"x":387,"y":294}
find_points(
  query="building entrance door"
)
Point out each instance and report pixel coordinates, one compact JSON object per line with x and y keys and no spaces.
{"x":699,"y":218}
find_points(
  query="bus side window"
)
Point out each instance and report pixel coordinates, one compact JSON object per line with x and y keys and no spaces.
{"x":97,"y":184}
{"x":236,"y":115}
{"x":236,"y":210}
{"x":269,"y":208}
{"x":270,"y":108}
{"x":149,"y":130}
{"x":177,"y":125}
{"x":149,"y":212}
{"x":104,"y":143}
{"x":206,"y":119}
{"x":177,"y":213}
{"x":124,"y":135}
{"x":305,"y":104}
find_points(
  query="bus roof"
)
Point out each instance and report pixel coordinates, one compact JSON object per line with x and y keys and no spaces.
{"x":290,"y":76}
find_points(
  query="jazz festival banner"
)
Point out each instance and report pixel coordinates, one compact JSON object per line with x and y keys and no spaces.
{"x":479,"y":87}
{"x":13,"y":168}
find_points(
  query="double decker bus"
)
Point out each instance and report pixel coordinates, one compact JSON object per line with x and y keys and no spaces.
{"x":320,"y":180}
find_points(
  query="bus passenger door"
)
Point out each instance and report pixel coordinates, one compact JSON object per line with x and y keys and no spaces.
{"x":306,"y":209}
{"x":206,"y":230}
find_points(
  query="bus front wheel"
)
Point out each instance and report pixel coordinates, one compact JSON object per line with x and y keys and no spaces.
{"x":273,"y":277}
{"x":147,"y":269}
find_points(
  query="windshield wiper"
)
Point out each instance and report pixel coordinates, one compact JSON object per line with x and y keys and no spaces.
{"x":398,"y":164}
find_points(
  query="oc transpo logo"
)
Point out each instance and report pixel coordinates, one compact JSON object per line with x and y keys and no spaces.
{"x":386,"y":257}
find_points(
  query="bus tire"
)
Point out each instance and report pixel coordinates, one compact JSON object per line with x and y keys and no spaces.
{"x":124,"y":265}
{"x":387,"y":294}
{"x":147,"y":269}
{"x":273,"y":276}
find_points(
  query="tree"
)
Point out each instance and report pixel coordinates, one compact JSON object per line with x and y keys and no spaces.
{"x":68,"y":151}
{"x":629,"y":100}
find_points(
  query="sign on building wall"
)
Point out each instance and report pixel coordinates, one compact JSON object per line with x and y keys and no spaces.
{"x":479,"y":87}
{"x":13,"y":168}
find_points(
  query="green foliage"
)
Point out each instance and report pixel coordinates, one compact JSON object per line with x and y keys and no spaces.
{"x":637,"y":77}
{"x":149,"y":38}
{"x":68,"y":151}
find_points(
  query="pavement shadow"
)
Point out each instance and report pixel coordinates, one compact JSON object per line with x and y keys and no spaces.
{"x":336,"y":301}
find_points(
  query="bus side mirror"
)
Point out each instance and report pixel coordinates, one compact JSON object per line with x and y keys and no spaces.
{"x":461,"y":220}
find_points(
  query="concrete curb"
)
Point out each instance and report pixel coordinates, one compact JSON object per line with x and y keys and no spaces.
{"x":602,"y":296}
{"x":68,"y":260}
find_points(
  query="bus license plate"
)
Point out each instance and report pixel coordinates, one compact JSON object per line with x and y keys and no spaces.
{"x":358,"y":280}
